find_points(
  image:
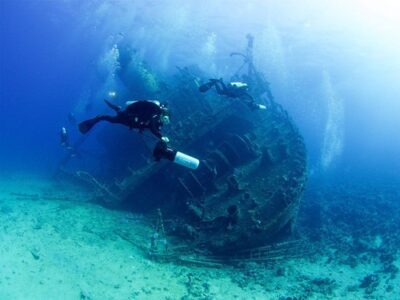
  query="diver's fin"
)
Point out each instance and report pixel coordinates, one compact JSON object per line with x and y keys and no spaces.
{"x":205,"y":87}
{"x":85,"y":126}
{"x":117,"y":108}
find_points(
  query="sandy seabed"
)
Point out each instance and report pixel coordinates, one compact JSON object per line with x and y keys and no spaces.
{"x":54,"y":244}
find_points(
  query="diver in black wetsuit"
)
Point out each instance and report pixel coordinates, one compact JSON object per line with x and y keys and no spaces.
{"x":235,"y":89}
{"x":143,"y":114}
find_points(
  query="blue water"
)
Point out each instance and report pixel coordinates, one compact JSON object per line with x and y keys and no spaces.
{"x":336,"y":70}
{"x":334,"y":65}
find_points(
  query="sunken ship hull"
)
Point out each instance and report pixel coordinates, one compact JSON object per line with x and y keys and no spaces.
{"x":247,"y":189}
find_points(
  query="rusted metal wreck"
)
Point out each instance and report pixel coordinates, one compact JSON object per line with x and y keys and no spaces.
{"x":247,"y":190}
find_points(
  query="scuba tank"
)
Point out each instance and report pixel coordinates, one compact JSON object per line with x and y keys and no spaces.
{"x":163,"y":151}
{"x":238,"y":85}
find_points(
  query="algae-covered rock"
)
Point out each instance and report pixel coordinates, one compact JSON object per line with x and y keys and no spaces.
{"x":136,"y":75}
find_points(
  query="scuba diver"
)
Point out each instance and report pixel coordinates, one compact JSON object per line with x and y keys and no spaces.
{"x":64,"y":141}
{"x":142,"y":114}
{"x":145,"y":114}
{"x":234,"y":89}
{"x":64,"y":138}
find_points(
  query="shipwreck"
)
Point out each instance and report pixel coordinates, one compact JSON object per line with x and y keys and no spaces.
{"x":253,"y":168}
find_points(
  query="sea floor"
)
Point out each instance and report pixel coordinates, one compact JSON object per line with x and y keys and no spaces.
{"x":54,"y":244}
